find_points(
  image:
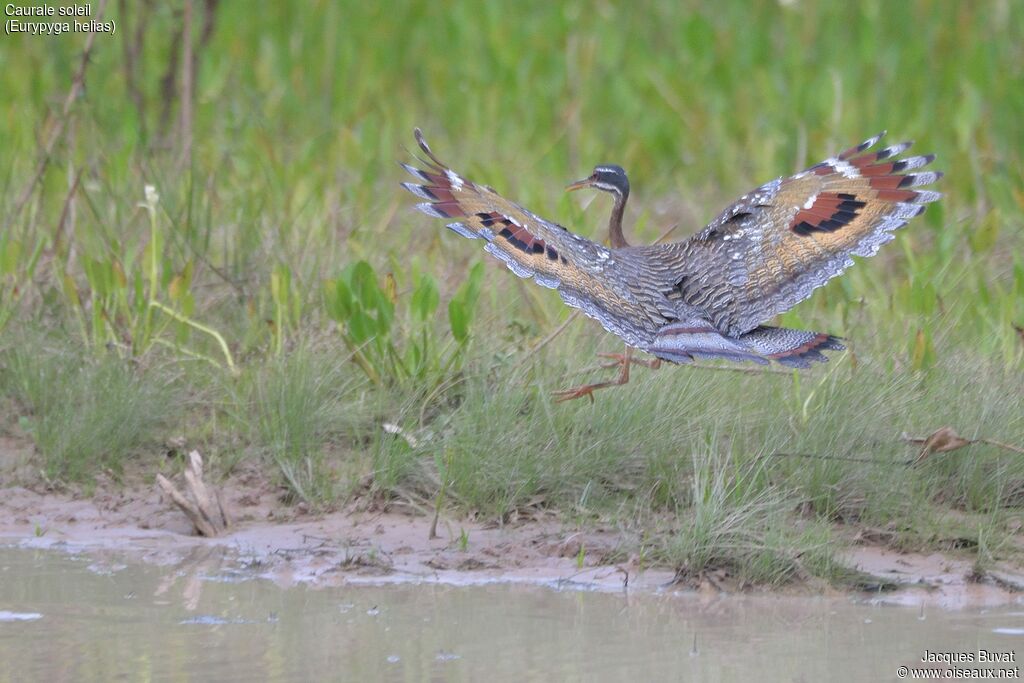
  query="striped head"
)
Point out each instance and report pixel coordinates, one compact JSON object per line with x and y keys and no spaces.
{"x":606,"y":177}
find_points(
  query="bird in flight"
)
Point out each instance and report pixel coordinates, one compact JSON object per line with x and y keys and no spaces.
{"x":706,"y":297}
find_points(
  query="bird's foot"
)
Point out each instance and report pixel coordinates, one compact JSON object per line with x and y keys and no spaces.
{"x":625,"y":359}
{"x":574,"y":393}
{"x":586,"y":390}
{"x":619,"y":358}
{"x":622,"y":360}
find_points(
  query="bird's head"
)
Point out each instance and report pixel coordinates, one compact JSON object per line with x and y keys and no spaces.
{"x":607,"y":177}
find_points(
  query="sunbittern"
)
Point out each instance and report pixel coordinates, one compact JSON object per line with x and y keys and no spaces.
{"x":707,"y":296}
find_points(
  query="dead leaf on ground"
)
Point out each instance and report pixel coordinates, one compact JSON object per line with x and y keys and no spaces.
{"x":946,"y":439}
{"x":941,"y":440}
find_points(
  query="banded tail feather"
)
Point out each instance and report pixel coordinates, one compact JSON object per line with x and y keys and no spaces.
{"x":793,"y":348}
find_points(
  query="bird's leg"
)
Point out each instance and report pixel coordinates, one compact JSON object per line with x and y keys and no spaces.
{"x":625,"y":360}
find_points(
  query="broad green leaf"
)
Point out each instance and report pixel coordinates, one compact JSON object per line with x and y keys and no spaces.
{"x":459,"y":320}
{"x":425,"y":298}
{"x":361,"y":327}
{"x":340,"y":303}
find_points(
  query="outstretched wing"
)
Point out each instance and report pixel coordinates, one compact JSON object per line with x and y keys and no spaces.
{"x":586,"y":274}
{"x":773,"y":247}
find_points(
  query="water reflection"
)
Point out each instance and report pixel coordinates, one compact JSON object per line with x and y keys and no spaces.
{"x":106,"y":620}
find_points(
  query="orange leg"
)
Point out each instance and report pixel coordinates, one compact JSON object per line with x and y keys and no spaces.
{"x":622,"y":359}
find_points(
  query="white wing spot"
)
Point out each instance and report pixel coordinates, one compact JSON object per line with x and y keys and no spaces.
{"x":454,"y":178}
{"x":810,"y":202}
{"x":844,"y":168}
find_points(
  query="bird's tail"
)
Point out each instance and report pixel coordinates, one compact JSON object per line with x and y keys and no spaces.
{"x":793,"y":348}
{"x":682,"y":342}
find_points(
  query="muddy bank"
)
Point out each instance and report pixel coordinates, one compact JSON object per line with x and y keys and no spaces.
{"x":289,"y":546}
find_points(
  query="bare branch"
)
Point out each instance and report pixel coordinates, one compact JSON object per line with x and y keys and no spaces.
{"x":57,"y":131}
{"x":133,"y":47}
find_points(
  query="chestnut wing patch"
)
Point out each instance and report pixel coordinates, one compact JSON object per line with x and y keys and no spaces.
{"x":517,"y":235}
{"x":829,"y":212}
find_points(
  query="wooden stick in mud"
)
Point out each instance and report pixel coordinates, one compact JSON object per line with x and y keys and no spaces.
{"x":205,"y":511}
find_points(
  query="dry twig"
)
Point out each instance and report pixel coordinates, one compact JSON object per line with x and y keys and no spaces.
{"x":205,"y":509}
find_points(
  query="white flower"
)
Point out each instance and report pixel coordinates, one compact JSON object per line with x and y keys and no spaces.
{"x":152,"y":196}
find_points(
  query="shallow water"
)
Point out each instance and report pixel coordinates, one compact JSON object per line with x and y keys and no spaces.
{"x":67,"y":617}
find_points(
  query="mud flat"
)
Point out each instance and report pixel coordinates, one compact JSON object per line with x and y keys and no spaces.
{"x":360,"y":546}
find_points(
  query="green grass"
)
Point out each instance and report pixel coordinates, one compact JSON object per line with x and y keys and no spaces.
{"x":301,"y":111}
{"x":299,"y":408}
{"x":84,"y":414}
{"x":734,"y":518}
